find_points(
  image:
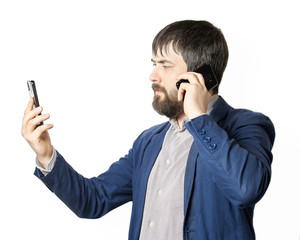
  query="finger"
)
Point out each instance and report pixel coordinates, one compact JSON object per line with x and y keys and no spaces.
{"x":26,"y":127}
{"x":191,"y":76}
{"x":37,"y":120}
{"x":200,"y":78}
{"x":182,"y":89}
{"x":41,"y":129}
{"x":32,"y":114}
{"x":29,"y":106}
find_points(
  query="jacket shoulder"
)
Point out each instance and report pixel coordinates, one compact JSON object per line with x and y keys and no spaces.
{"x":240,"y":118}
{"x":246,"y":116}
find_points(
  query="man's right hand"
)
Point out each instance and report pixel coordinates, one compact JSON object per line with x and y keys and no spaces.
{"x":37,"y":137}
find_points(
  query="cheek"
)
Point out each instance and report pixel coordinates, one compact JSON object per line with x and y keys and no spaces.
{"x":170,"y":83}
{"x":172,"y":92}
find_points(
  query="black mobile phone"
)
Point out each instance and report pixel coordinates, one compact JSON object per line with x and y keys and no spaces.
{"x":33,"y":93}
{"x":208,"y":75}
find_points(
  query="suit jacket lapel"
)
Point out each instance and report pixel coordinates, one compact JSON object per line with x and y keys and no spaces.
{"x":189,"y":175}
{"x":220,"y":110}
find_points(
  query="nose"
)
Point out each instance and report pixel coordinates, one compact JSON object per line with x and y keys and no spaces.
{"x":154,"y":76}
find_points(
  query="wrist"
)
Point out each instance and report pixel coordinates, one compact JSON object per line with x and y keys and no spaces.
{"x":195,"y":115}
{"x":45,"y":158}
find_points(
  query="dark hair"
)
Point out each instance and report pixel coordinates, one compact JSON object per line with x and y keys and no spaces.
{"x":197,"y":42}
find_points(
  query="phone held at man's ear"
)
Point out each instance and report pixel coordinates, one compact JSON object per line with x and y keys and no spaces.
{"x":208,"y":75}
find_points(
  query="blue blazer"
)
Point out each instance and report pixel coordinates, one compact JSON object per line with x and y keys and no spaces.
{"x":225,"y":175}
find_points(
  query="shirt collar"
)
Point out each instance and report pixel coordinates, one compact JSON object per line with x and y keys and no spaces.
{"x":211,"y":103}
{"x":175,"y":125}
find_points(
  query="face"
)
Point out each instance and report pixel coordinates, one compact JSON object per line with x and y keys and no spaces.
{"x":167,"y":67}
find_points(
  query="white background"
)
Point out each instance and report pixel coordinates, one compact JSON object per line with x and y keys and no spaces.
{"x":91,"y":63}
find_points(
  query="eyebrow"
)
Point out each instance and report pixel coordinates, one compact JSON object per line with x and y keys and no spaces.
{"x":162,"y":61}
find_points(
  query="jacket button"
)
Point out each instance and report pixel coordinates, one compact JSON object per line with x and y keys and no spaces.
{"x":212,"y":146}
{"x":202,"y":131}
{"x":206,"y":139}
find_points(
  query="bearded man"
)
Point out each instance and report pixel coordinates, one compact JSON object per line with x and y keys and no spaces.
{"x":196,"y":176}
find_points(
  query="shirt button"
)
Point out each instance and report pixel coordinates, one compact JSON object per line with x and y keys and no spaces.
{"x":151,"y":224}
{"x":159,"y":192}
{"x":178,"y":134}
{"x":168,"y":161}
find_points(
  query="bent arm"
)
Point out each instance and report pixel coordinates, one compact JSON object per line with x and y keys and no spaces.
{"x":237,"y":156}
{"x":94,"y":197}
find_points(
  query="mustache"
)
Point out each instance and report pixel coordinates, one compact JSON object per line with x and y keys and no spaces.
{"x":158,"y":87}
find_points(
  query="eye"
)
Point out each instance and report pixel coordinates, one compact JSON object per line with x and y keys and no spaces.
{"x":165,"y":66}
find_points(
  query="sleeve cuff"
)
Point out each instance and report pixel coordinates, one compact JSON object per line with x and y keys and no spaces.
{"x":50,"y":165}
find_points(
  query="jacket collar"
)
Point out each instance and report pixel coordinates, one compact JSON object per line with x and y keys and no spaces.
{"x":220,"y":110}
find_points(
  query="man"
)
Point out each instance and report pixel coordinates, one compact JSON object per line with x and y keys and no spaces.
{"x":197,"y":176}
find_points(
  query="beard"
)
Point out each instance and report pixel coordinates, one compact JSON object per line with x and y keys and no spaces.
{"x":167,"y":105}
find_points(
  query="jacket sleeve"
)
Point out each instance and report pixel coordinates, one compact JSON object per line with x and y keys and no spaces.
{"x":237,"y":155}
{"x":94,"y":197}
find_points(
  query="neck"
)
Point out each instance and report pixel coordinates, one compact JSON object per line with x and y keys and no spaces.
{"x":180,"y":120}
